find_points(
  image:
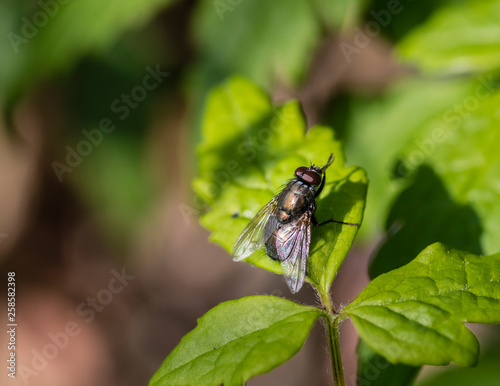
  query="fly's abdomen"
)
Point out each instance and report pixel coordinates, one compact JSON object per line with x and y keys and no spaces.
{"x":271,"y":246}
{"x":279,"y":237}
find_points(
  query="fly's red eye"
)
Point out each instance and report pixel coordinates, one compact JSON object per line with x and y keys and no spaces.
{"x":300,"y":171}
{"x":311,"y":177}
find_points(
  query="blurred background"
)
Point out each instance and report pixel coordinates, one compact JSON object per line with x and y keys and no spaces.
{"x":101,"y":112}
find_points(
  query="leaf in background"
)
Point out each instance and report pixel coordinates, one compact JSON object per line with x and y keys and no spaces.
{"x":112,"y":177}
{"x":459,"y":38}
{"x":265,"y":41}
{"x":415,"y":314}
{"x":484,"y":374}
{"x":230,"y":341}
{"x":375,"y":370}
{"x":11,"y":11}
{"x":379,"y":129}
{"x":467,"y":160}
{"x":437,"y":219}
{"x":451,"y":126}
{"x":249,"y":150}
{"x":113,"y":182}
{"x":258,"y":38}
{"x":406,"y":15}
{"x":77,"y":28}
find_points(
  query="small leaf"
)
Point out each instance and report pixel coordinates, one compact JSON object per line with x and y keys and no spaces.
{"x":459,"y":38}
{"x":415,"y":314}
{"x":243,"y":165}
{"x":230,"y":341}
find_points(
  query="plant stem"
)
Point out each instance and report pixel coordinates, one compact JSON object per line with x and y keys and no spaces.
{"x":335,"y":356}
{"x":332,"y":330}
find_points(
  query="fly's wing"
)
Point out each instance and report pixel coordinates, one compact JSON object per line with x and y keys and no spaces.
{"x":254,"y":235}
{"x":293,"y":251}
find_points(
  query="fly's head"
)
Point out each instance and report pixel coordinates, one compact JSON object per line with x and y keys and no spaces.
{"x":313,"y":175}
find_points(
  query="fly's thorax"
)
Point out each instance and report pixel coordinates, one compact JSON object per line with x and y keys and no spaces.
{"x":295,"y":200}
{"x":301,"y":188}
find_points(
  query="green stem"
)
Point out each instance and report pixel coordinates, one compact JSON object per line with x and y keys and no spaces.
{"x":335,"y":356}
{"x":332,"y":330}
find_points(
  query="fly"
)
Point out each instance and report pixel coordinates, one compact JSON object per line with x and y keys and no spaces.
{"x":283,"y":225}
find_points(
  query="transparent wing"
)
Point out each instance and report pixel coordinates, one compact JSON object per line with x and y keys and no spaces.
{"x":293,"y":251}
{"x":255,"y":235}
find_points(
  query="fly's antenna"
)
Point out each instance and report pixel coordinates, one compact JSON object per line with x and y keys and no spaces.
{"x":328,"y":163}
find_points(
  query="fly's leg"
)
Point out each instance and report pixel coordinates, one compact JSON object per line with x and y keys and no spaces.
{"x":316,"y":224}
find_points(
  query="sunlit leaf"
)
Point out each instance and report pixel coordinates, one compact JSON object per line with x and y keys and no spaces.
{"x":438,"y":219}
{"x":459,"y":38}
{"x":454,"y":134}
{"x":237,"y":340}
{"x":379,"y":129}
{"x":415,"y":314}
{"x":249,"y":150}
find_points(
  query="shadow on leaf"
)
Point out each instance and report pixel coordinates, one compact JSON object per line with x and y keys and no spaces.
{"x":425,"y":213}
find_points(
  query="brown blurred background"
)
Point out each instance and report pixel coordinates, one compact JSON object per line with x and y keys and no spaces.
{"x":113,"y":223}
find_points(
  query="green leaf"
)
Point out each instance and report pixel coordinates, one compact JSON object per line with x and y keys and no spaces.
{"x":467,"y":159}
{"x":415,"y":314}
{"x":375,"y":370}
{"x":459,"y":38}
{"x":230,"y":341}
{"x":392,"y":123}
{"x":484,"y":374}
{"x":438,"y":219}
{"x":264,"y":41}
{"x":11,"y":11}
{"x":261,"y":38}
{"x":405,"y":15}
{"x":78,"y":28}
{"x":242,"y":166}
{"x":454,"y":133}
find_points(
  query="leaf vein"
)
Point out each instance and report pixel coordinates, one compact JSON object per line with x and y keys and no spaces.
{"x":220,"y":348}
